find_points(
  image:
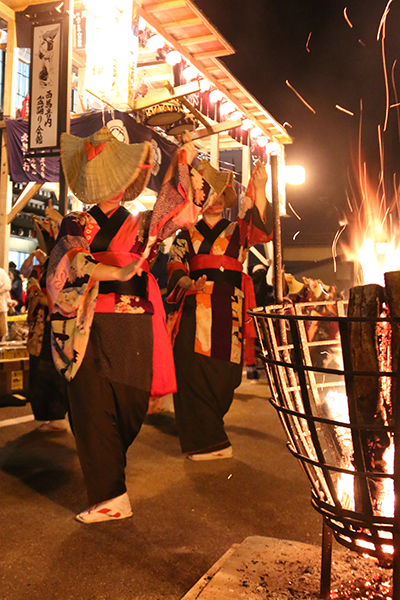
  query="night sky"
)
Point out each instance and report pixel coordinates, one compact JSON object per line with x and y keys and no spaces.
{"x":343,"y":66}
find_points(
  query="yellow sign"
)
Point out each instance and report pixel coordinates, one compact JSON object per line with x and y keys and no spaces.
{"x":17,"y":380}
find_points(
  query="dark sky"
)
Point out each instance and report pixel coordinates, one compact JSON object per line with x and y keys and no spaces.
{"x":343,"y":66}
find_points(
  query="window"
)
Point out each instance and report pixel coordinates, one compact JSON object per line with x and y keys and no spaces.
{"x":2,"y":67}
{"x":22,"y":82}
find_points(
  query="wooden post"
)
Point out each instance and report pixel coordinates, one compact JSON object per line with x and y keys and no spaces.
{"x":9,"y":110}
{"x":65,"y":93}
{"x":214,"y":151}
{"x":278,"y":269}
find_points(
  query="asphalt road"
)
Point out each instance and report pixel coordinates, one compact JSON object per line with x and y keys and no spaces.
{"x":186,"y":515}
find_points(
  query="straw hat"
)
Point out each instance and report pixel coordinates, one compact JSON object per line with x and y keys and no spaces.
{"x":100,"y":167}
{"x":294,"y":286}
{"x":220,"y":181}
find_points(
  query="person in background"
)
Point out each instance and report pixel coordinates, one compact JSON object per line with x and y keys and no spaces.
{"x":205,"y":275}
{"x":16,"y":286}
{"x":5,"y":287}
{"x":109,"y":335}
{"x":47,"y":388}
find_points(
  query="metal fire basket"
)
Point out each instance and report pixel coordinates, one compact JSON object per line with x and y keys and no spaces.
{"x":313,"y":389}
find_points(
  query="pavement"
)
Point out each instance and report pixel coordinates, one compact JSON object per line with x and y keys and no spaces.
{"x":186,"y":516}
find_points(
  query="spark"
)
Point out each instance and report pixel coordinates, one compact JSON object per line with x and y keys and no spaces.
{"x":396,"y":98}
{"x":348,"y":112}
{"x":350,"y":24}
{"x":334,"y":245}
{"x":348,"y":202}
{"x":308,"y":40}
{"x":382,"y":35}
{"x":286,"y":124}
{"x":59,"y":7}
{"x":361,"y":42}
{"x":295,"y":235}
{"x":293,"y":211}
{"x":300,"y":97}
{"x":326,"y":294}
{"x":230,"y":476}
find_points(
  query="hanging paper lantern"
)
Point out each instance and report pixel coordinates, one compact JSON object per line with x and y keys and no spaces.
{"x":173,"y":57}
{"x":190,"y":72}
{"x":155,"y":42}
{"x":215,"y":96}
{"x":204,"y":85}
{"x":255,"y":132}
{"x":247,"y":124}
{"x":262,"y":141}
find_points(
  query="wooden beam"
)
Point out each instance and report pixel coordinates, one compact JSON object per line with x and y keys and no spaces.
{"x":163,"y":95}
{"x":153,"y":8}
{"x":5,"y":183}
{"x":27,"y":194}
{"x":201,"y":39}
{"x":6,"y":12}
{"x":212,"y":54}
{"x":183,"y":23}
{"x":203,"y":69}
{"x":213,"y":129}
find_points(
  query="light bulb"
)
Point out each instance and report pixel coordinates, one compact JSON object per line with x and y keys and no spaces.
{"x":173,"y":57}
{"x":255,"y":132}
{"x":262,"y":141}
{"x":155,"y":42}
{"x":272,"y":148}
{"x":190,"y":73}
{"x":227,"y":108}
{"x":247,"y":124}
{"x":204,"y":85}
{"x":215,"y":96}
{"x":236,"y":115}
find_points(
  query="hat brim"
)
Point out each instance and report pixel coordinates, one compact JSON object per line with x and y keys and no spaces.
{"x":117,"y":168}
{"x":221,"y":181}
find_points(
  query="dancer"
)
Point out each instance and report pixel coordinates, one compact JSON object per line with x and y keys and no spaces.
{"x":109,"y":333}
{"x":205,"y":274}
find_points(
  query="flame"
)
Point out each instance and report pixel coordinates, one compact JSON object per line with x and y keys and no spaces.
{"x":374,"y":234}
{"x":387,"y":508}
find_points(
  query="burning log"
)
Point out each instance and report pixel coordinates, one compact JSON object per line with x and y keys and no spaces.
{"x":392,"y":283}
{"x":366,"y":354}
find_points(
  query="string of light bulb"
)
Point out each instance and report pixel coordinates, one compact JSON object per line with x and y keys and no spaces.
{"x":156,"y":42}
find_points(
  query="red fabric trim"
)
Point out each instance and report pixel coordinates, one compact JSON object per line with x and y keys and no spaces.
{"x":208,"y":261}
{"x":249,"y":332}
{"x":93,"y":150}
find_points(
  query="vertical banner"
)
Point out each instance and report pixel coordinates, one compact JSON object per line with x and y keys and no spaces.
{"x":44,"y":86}
{"x":134,"y":55}
{"x":79,"y":35}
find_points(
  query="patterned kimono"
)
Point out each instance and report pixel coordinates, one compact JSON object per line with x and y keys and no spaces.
{"x":109,"y":338}
{"x":209,"y":326}
{"x":47,"y":388}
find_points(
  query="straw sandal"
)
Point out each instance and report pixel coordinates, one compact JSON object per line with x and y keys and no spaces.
{"x":110,"y":510}
{"x":224,"y":453}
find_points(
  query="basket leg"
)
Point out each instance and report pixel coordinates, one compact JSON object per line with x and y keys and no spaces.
{"x":326,"y":561}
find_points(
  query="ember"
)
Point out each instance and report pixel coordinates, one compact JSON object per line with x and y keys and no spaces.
{"x":360,"y":589}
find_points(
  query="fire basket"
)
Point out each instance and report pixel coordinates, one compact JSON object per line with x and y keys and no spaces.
{"x":333,"y":383}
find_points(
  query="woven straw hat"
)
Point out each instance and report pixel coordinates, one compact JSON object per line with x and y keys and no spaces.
{"x":100,"y":167}
{"x":220,"y":181}
{"x":294,"y":286}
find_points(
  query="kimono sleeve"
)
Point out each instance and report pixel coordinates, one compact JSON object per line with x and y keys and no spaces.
{"x":72,"y":294}
{"x":177,"y":267}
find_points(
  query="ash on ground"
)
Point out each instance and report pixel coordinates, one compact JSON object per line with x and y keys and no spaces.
{"x":272,"y":569}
